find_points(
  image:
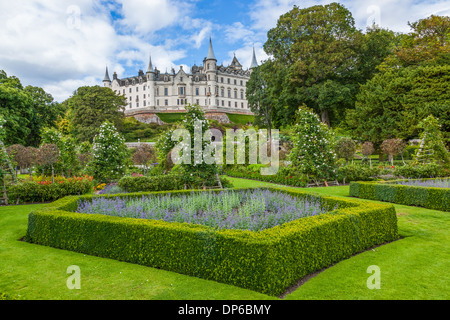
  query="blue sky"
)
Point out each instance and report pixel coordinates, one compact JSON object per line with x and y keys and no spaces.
{"x":61,"y":45}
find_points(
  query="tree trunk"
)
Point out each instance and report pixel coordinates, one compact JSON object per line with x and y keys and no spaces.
{"x":53,"y":175}
{"x":325,"y":117}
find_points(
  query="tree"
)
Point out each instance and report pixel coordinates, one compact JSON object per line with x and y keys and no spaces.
{"x":427,"y":43}
{"x":393,"y":103}
{"x":110,"y":156}
{"x":367,"y":151}
{"x":345,"y":148}
{"x":48,"y":155}
{"x":143,"y":155}
{"x":316,"y":47}
{"x":68,"y":161}
{"x":197,"y":173}
{"x":27,"y":111}
{"x":5,"y":160}
{"x":89,"y":107}
{"x":392,"y":147}
{"x":432,"y":148}
{"x":258,"y":96}
{"x":313,"y":152}
{"x":44,"y":113}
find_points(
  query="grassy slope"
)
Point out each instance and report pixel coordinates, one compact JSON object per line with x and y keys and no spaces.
{"x":412,"y":268}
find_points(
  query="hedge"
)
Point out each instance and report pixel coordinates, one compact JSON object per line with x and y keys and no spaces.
{"x":426,"y":197}
{"x":154,"y":183}
{"x":295,"y":181}
{"x":267,"y":261}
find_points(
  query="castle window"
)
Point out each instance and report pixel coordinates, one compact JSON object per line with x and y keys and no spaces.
{"x":145,"y":103}
{"x":235,"y":81}
{"x":145,"y":87}
{"x":130,"y":90}
{"x":178,"y":102}
{"x":223,"y":103}
{"x":137,"y":89}
{"x":235,"y":104}
{"x":166,"y":102}
{"x":196,"y":79}
{"x":197,"y":102}
{"x":242,"y":105}
{"x":221,"y":79}
{"x":229,"y":93}
{"x":242,"y":94}
{"x":157,"y":102}
{"x":222,"y":92}
{"x":166,"y":91}
{"x":241,"y":83}
{"x":228,"y":80}
{"x":229,"y":103}
{"x":137,"y":104}
{"x":181,"y":79}
{"x":235,"y":94}
{"x":144,"y":96}
{"x":131,"y":105}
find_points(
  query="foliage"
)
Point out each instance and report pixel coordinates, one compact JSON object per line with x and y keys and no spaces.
{"x":155,"y":183}
{"x":26,"y":111}
{"x":285,"y":176}
{"x":426,"y":197}
{"x":68,"y":161}
{"x":144,"y":155}
{"x":268,"y":261}
{"x":313,"y":151}
{"x":134,"y":130}
{"x":393,"y":103}
{"x":357,"y":172}
{"x":110,"y":156}
{"x":392,"y":147}
{"x":90,"y":107}
{"x":431,"y":170}
{"x":197,"y":173}
{"x":46,"y":190}
{"x":345,"y":148}
{"x":432,"y":147}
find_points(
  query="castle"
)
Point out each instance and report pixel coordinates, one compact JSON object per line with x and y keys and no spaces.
{"x":217,"y":89}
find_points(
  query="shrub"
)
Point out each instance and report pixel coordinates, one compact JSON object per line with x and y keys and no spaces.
{"x":267,"y":261}
{"x":45,"y":190}
{"x":345,"y":148}
{"x":355,"y":172}
{"x":155,"y":183}
{"x":279,"y":178}
{"x":431,"y":198}
{"x":431,"y":170}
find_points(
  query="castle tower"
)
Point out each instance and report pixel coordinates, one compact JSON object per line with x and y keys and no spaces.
{"x":210,"y":69}
{"x":254,"y":64}
{"x":151,"y":84}
{"x":107,"y":79}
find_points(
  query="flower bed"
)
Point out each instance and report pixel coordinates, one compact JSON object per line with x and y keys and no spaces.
{"x":268,"y":261}
{"x":411,"y":192}
{"x":244,"y":209}
{"x":42,"y":190}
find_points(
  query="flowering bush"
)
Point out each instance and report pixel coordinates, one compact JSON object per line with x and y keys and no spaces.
{"x":313,"y":152}
{"x":110,"y":155}
{"x":43,"y":190}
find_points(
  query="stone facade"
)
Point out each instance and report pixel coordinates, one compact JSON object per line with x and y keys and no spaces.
{"x":218,"y":89}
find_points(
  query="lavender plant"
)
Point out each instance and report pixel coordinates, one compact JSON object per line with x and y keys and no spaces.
{"x":433,"y":183}
{"x":252,"y":210}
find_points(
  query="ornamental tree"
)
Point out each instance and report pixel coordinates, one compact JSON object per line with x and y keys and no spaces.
{"x":143,"y":155}
{"x":367,"y":151}
{"x":110,"y":156}
{"x":392,"y":147}
{"x":313,"y":152}
{"x":345,"y":148}
{"x":197,"y":173}
{"x":48,"y":155}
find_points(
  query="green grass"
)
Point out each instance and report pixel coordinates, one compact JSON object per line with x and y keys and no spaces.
{"x":171,"y":117}
{"x":241,"y":118}
{"x":415,"y":267}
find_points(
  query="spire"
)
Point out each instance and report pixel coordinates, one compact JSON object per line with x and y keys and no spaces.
{"x":107,"y":78}
{"x":211,"y":55}
{"x":254,"y":64}
{"x":150,"y":65}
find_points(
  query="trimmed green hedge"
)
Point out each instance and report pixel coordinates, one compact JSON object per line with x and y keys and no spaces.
{"x":154,"y":183}
{"x":267,"y":261}
{"x":431,"y":198}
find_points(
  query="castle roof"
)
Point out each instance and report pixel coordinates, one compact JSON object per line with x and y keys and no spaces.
{"x":210,"y":55}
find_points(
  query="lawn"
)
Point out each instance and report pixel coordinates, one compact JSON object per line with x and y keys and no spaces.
{"x":415,"y":267}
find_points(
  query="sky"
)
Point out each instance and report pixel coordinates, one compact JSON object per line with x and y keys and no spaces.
{"x":61,"y":45}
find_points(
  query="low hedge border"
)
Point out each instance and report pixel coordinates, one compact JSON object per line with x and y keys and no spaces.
{"x":426,"y":197}
{"x":267,"y":261}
